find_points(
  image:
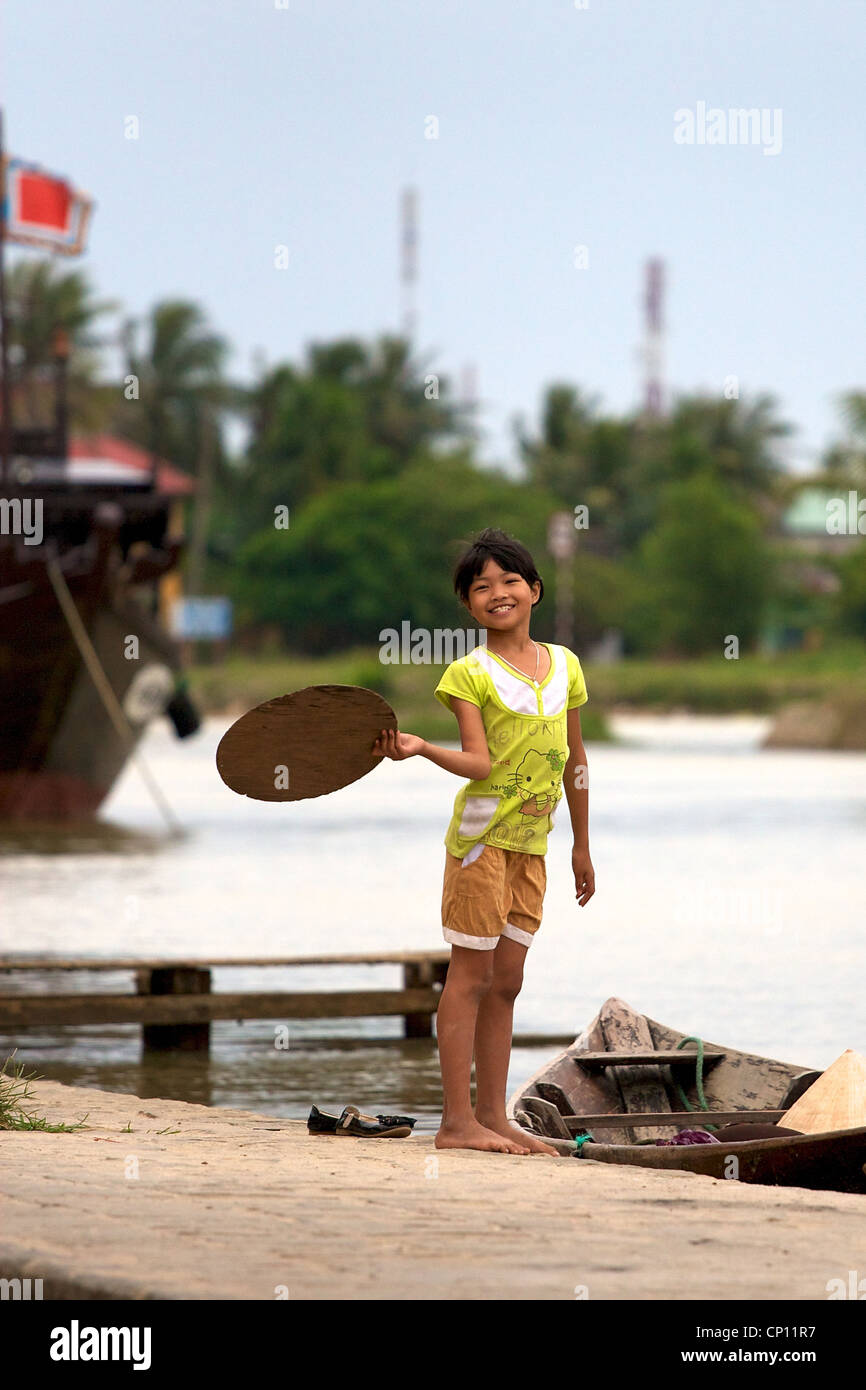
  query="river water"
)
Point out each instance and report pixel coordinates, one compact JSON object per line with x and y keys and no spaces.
{"x":730,"y":903}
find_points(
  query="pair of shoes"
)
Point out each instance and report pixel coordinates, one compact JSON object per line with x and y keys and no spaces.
{"x":352,"y":1122}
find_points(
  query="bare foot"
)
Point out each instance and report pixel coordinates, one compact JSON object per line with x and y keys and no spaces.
{"x":521,"y":1136}
{"x":472,"y":1135}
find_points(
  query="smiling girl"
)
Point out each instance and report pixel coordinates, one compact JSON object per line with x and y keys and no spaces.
{"x":516,"y":702}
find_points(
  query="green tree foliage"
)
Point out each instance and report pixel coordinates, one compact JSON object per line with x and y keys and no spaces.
{"x":353,"y":414}
{"x":42,"y":298}
{"x":585,"y":459}
{"x":850,"y":601}
{"x":704,"y":572}
{"x":621,"y":467}
{"x":604,"y":591}
{"x":844,"y":469}
{"x":362,"y":557}
{"x":376,"y":464}
{"x":178,"y":362}
{"x":738,"y":437}
{"x":845,"y":461}
{"x":182,"y":394}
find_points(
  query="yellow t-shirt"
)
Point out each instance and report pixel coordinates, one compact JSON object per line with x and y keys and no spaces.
{"x":527,"y":736}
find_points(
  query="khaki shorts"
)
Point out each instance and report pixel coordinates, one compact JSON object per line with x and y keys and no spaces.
{"x":493,"y":892}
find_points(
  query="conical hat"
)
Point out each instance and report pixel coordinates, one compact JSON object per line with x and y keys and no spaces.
{"x":837,"y":1100}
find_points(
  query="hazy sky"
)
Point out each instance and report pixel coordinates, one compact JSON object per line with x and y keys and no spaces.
{"x":266,"y":123}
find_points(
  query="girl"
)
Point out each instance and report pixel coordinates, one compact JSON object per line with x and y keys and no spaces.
{"x":516,"y":702}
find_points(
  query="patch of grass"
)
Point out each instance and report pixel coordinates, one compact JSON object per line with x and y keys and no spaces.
{"x":709,"y":685}
{"x":714,"y":685}
{"x":15,"y":1092}
{"x":243,"y":681}
{"x":249,"y":681}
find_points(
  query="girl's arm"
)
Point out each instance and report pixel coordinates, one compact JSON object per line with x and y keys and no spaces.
{"x":576,"y":786}
{"x":473,"y":761}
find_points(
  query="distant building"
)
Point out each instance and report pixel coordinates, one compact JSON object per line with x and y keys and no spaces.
{"x":95,"y":458}
{"x":810,"y":543}
{"x":107,"y":458}
{"x":805,"y":520}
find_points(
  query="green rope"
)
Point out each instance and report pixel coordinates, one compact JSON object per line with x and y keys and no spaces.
{"x":581,"y":1139}
{"x":699,"y":1079}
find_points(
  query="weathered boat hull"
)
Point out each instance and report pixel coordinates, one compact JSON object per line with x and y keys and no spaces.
{"x":737,"y":1081}
{"x":822,"y":1162}
{"x":60,"y":753}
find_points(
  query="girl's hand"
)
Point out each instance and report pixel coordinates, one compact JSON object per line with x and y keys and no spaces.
{"x":392,"y":744}
{"x":584,"y":875}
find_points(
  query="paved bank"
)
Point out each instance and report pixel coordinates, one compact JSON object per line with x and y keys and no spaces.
{"x":160,"y":1199}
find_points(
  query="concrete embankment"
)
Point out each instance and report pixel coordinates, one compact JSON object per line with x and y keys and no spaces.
{"x":838,"y":724}
{"x":159,"y":1199}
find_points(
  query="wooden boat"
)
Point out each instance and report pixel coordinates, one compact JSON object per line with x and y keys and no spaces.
{"x":88,"y":532}
{"x":618,"y":1084}
{"x":110,"y":534}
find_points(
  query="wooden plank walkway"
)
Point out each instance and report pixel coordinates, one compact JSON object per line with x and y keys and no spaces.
{"x":216,"y":963}
{"x":175,"y":1005}
{"x":62,"y":1010}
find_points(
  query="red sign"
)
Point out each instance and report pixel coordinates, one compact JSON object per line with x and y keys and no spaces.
{"x":41,"y":209}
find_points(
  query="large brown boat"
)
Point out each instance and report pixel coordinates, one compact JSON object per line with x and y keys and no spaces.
{"x":105,"y":540}
{"x":87,"y":534}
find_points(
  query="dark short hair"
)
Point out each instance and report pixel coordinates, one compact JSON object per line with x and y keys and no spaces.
{"x":508,"y":553}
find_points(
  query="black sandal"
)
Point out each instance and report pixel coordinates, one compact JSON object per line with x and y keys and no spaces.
{"x":352,"y":1122}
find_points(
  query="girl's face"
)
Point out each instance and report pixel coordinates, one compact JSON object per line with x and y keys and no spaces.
{"x":499,"y":599}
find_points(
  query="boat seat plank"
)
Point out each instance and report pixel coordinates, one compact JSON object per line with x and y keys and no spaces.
{"x":644,"y":1059}
{"x":627,"y":1032}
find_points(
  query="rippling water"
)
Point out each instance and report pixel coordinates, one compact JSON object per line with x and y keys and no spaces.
{"x":731,"y":886}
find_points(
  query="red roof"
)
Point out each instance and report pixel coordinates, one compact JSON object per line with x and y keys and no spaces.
{"x":110,"y":449}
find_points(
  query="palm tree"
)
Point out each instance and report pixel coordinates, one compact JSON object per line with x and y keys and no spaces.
{"x":584,"y":457}
{"x":849,"y":458}
{"x":399,"y":415}
{"x":42,"y":298}
{"x":353,"y":412}
{"x":179,"y":395}
{"x":740,"y":437}
{"x":558,"y":458}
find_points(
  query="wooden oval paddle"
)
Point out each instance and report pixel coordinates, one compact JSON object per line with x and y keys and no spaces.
{"x":309,"y":743}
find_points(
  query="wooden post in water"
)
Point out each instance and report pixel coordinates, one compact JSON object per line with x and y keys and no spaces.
{"x":176,"y":979}
{"x":421,"y":975}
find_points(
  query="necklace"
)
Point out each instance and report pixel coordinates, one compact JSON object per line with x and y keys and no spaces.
{"x":517,"y":668}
